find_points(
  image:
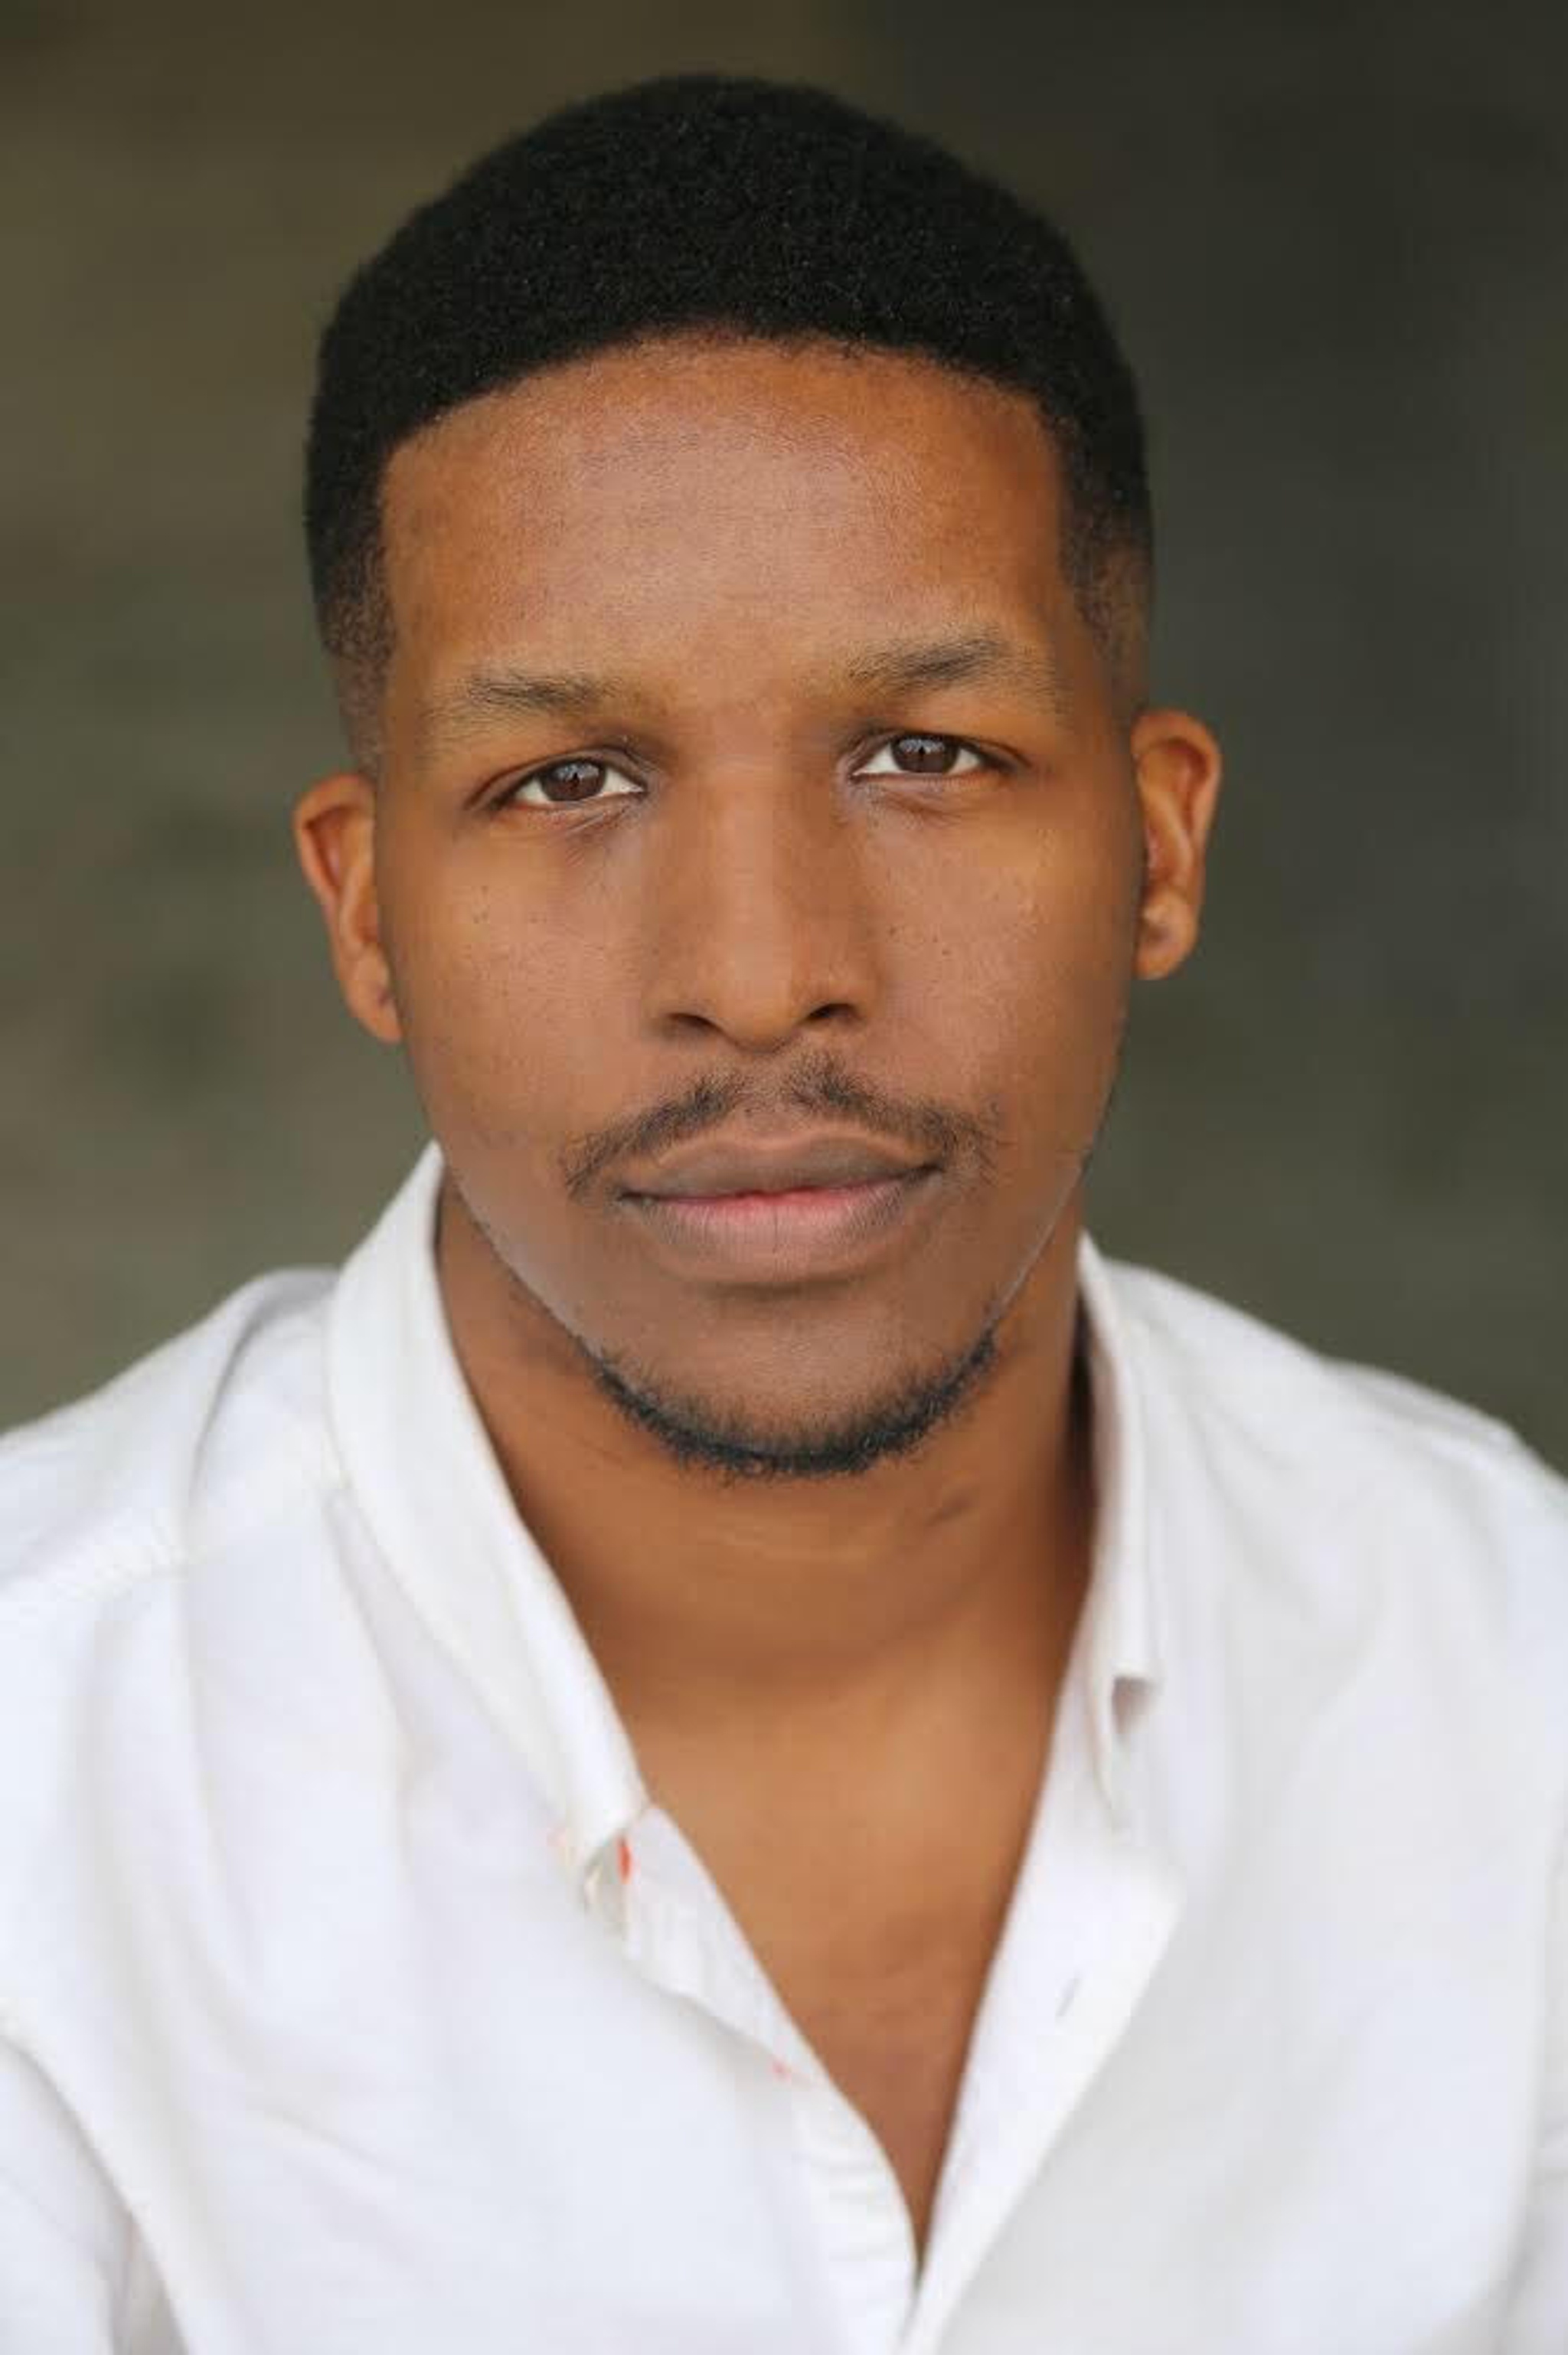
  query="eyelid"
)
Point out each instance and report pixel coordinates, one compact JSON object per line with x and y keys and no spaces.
{"x":511,"y":792}
{"x":930,"y":736}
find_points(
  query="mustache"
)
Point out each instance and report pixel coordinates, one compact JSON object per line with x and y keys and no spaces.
{"x":819,"y":1085}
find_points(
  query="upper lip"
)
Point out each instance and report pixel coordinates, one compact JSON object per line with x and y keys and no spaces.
{"x":818,"y":1160}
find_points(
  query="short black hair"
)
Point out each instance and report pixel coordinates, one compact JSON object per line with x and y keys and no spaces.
{"x":696,"y":202}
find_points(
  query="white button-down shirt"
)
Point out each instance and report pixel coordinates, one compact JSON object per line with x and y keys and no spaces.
{"x":355,"y":1999}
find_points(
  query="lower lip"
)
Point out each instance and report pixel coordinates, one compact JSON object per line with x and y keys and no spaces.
{"x":810,"y":1229}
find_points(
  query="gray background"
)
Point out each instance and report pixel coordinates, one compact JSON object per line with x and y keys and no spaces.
{"x":1334,"y":240}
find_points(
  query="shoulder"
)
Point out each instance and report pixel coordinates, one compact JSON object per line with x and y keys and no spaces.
{"x":1272,"y":1392}
{"x":1338,"y":1500}
{"x":108,"y":1508}
{"x":199,"y":1433}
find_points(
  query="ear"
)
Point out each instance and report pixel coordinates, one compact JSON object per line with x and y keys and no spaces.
{"x":334,"y":835}
{"x":1178,"y":766}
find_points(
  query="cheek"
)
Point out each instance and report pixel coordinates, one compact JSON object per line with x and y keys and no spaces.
{"x":1040,"y":971}
{"x":498,"y":1015}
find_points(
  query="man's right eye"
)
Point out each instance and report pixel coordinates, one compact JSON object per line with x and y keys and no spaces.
{"x":574,"y":779}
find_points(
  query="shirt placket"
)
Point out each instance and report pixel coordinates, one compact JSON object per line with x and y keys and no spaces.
{"x":1095,"y":1911}
{"x":654,"y":1896}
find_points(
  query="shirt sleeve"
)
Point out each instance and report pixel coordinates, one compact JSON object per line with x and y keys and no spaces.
{"x":1538,"y":2310}
{"x":65,"y":2238}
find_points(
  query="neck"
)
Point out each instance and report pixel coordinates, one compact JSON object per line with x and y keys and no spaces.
{"x":713,"y":1607}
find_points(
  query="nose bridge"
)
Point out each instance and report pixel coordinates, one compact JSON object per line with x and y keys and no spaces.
{"x":758,"y":901}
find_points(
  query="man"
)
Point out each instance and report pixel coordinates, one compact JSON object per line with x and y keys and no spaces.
{"x":733,"y":1741}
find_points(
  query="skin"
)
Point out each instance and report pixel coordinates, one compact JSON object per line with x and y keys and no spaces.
{"x":828,"y":1538}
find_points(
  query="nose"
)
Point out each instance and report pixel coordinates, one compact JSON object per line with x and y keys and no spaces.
{"x":759,"y":913}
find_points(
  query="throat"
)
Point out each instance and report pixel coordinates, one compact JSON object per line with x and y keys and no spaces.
{"x":871,"y":1869}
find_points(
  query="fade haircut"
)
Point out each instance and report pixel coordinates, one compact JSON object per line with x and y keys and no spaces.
{"x":697,"y":203}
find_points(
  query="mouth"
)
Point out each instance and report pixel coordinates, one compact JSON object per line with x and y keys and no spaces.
{"x":773,"y":1238}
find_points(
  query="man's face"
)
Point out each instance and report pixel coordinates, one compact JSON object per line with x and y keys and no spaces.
{"x":750,"y":885}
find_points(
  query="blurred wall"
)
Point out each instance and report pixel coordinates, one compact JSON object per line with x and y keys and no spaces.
{"x":1334,"y":239}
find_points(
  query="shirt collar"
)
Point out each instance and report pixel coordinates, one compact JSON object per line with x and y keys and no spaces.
{"x":1121,"y":1636}
{"x":425,"y":1476}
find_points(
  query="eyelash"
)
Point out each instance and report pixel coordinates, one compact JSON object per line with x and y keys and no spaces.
{"x":507,"y":798}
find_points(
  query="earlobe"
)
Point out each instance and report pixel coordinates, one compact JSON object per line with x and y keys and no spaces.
{"x":1178,"y":768}
{"x":334,"y":839}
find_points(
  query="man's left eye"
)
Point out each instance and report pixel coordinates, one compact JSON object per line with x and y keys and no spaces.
{"x":922,"y":756}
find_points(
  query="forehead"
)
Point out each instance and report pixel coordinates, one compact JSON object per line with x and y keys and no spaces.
{"x":685,"y":469}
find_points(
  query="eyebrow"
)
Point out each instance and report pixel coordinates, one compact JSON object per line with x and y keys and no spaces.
{"x":953,"y":662}
{"x":898,"y":669}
